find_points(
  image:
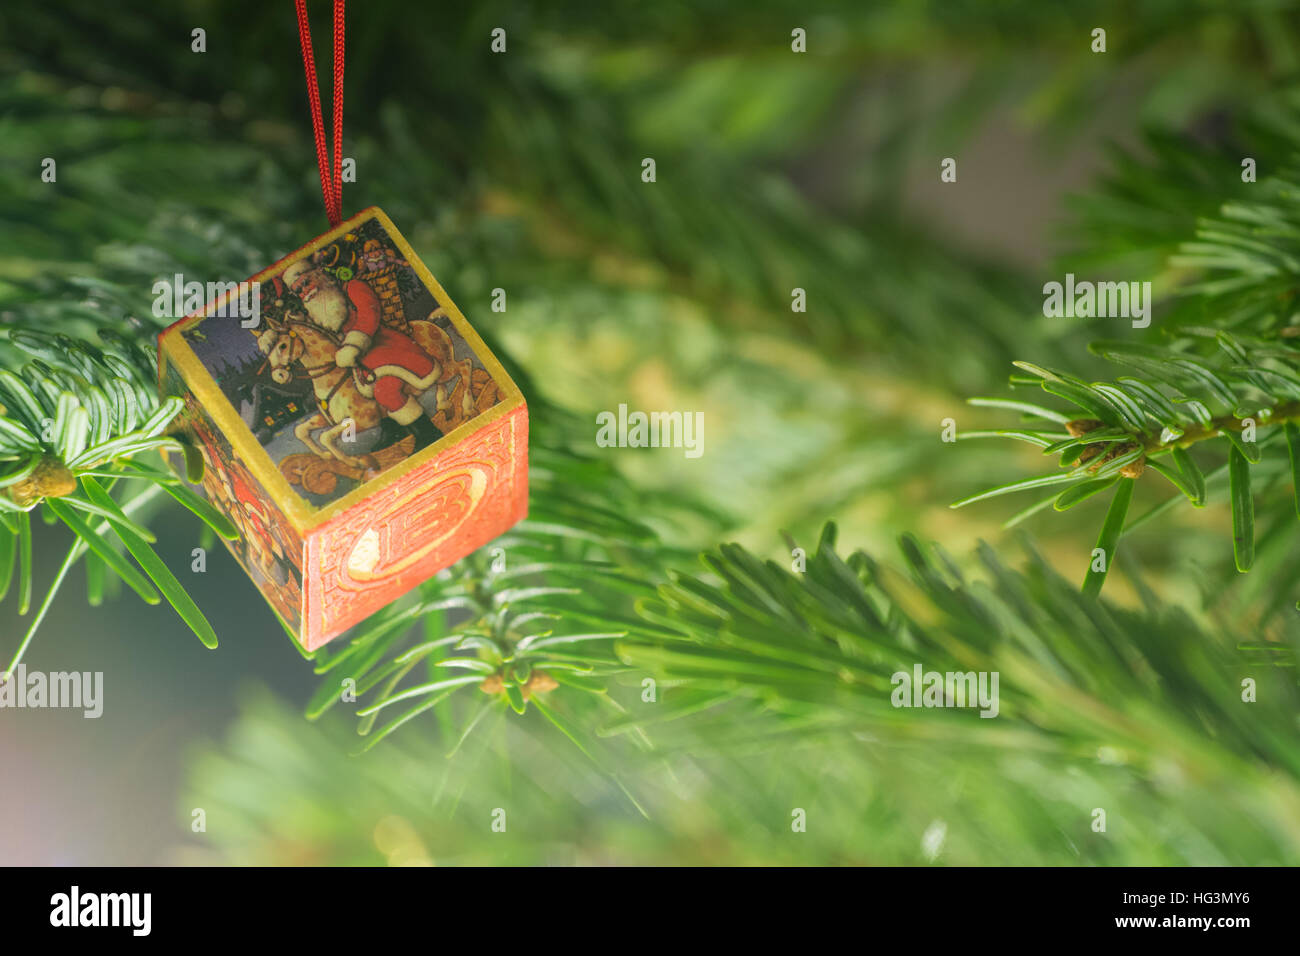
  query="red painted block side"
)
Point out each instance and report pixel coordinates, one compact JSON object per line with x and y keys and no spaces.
{"x":450,"y":506}
{"x":269,"y":548}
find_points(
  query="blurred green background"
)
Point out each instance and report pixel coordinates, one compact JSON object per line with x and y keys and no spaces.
{"x":521,"y":170}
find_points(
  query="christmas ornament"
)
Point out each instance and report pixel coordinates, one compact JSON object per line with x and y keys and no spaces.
{"x":352,"y":424}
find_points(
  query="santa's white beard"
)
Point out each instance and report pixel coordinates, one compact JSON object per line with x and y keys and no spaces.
{"x":328,"y":308}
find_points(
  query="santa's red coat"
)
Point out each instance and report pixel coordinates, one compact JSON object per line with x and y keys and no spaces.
{"x":387,"y":346}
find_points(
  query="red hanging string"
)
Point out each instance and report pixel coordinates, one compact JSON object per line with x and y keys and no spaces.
{"x":331,"y":183}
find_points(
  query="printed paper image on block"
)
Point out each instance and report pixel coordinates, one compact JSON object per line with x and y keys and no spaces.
{"x":269,"y":549}
{"x":353,"y":367}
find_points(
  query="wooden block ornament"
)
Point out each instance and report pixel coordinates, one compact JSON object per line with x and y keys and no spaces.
{"x":356,"y":429}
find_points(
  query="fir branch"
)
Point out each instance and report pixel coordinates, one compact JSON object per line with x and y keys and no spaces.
{"x":772,"y":684}
{"x":73,"y":413}
{"x":821,"y":645}
{"x":1234,"y":384}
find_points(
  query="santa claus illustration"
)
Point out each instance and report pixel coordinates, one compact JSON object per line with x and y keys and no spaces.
{"x":395,"y":366}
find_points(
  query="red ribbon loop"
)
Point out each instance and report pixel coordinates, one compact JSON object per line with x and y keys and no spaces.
{"x":331,"y":183}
